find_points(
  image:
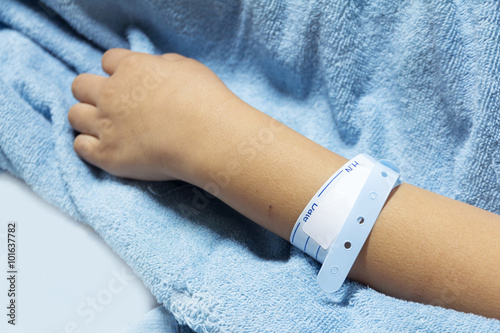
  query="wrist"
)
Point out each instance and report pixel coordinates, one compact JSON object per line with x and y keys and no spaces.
{"x":204,"y":150}
{"x":236,"y":136}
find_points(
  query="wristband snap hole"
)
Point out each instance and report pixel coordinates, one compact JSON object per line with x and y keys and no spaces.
{"x":384,"y":174}
{"x":361,"y":220}
{"x":347,"y":245}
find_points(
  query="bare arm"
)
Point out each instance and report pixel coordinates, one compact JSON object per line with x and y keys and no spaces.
{"x":424,"y":247}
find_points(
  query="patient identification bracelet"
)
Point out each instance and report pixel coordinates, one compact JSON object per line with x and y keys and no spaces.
{"x":337,"y":221}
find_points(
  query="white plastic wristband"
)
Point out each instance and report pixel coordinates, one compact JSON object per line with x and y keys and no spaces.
{"x":335,"y":224}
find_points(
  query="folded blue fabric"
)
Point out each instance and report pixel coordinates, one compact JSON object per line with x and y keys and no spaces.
{"x":416,"y":82}
{"x":158,"y":320}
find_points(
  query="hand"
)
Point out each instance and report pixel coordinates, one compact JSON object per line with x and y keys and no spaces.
{"x":152,"y":119}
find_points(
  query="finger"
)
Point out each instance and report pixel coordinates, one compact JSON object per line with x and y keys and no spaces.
{"x":86,"y":87}
{"x":112,"y":58}
{"x":83,"y":118}
{"x":86,"y":146}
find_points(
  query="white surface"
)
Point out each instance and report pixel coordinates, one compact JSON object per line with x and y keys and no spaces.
{"x":68,"y":279}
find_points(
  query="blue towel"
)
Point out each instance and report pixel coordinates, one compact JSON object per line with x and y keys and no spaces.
{"x":158,"y":320}
{"x":416,"y":82}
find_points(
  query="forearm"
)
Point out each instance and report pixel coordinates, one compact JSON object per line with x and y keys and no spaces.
{"x":428,"y":248}
{"x":424,"y":247}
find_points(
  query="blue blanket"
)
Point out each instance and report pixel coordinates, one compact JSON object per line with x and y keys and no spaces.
{"x":416,"y":82}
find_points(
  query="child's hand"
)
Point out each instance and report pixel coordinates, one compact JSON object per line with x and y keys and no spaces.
{"x":152,"y":118}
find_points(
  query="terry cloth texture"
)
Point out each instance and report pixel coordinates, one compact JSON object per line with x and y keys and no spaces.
{"x":158,"y":320}
{"x":416,"y":82}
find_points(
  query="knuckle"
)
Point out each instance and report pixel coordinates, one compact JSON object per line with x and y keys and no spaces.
{"x":109,"y":93}
{"x":173,"y":56}
{"x":133,"y":60}
{"x":105,"y":126}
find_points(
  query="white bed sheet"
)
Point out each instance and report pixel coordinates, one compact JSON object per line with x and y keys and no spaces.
{"x":68,"y":279}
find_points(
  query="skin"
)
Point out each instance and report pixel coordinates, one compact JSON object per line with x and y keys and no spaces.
{"x":170,"y":117}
